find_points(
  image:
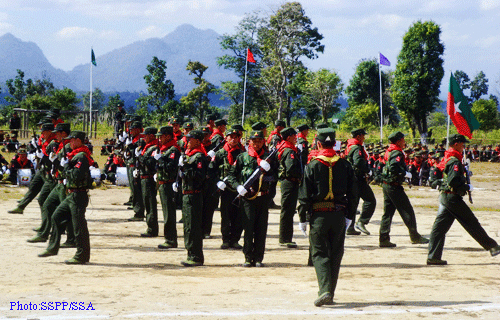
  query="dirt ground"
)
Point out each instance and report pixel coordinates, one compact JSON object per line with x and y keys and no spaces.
{"x":129,"y":278}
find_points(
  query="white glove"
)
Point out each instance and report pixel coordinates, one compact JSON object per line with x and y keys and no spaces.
{"x":125,"y":135}
{"x":135,"y":173}
{"x":471,"y":187}
{"x":91,"y":168}
{"x":155,"y":177}
{"x":303,"y":227}
{"x":241,"y":190}
{"x":300,"y":147}
{"x":347,"y":223}
{"x":175,"y":187}
{"x":128,"y":141}
{"x":65,"y":182}
{"x":221,"y":185}
{"x":181,"y":161}
{"x":370,"y":173}
{"x":39,"y":154}
{"x":211,"y":153}
{"x":7,"y":171}
{"x":265,"y":165}
{"x":52,"y":157}
{"x":157,"y":155}
{"x":137,"y":151}
{"x":121,"y":138}
{"x":4,"y":168}
{"x":33,"y":142}
{"x":408,"y":175}
{"x":63,"y":162}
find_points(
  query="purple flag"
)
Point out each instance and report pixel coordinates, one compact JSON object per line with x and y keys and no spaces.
{"x":384,"y":61}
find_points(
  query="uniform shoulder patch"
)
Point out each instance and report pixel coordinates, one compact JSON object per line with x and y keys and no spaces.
{"x":200,"y":165}
{"x":455,"y":167}
{"x":78,"y":164}
{"x":172,"y":155}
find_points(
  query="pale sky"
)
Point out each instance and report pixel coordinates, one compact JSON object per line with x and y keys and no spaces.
{"x":353,"y":30}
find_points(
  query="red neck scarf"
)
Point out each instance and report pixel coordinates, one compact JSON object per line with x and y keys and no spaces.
{"x":312,"y":154}
{"x":216,"y":132}
{"x":329,"y":153}
{"x":253,"y":153}
{"x":284,"y":145}
{"x":230,"y":151}
{"x":62,"y":144}
{"x":391,"y":148}
{"x":171,"y":143}
{"x":147,"y":146}
{"x":136,"y":138}
{"x":301,"y":135}
{"x":23,"y":163}
{"x":273,"y":133}
{"x":190,"y":152}
{"x":83,"y":149}
{"x":119,"y":162}
{"x":353,"y":142}
{"x":447,"y":155}
{"x":45,"y":144}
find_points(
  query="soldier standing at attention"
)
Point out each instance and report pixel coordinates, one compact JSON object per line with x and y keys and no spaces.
{"x":15,"y":123}
{"x":290,"y":175}
{"x":272,"y":141}
{"x":302,"y":143}
{"x":394,"y":174}
{"x":78,"y":181}
{"x":255,"y":200}
{"x":168,"y":160}
{"x":357,"y":156}
{"x":147,"y":170}
{"x":194,"y":170}
{"x":133,"y":175}
{"x":452,"y":205}
{"x":327,"y":198}
{"x":119,"y":119}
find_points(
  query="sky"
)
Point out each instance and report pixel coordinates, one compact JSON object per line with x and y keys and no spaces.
{"x":353,"y":30}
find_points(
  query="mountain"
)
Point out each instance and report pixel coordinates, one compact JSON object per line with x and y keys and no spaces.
{"x":27,"y":56}
{"x":122,"y":69}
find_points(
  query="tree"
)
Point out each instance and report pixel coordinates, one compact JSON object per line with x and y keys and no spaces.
{"x":111,"y":108}
{"x":486,"y":113}
{"x":98,"y":99}
{"x":285,"y":42}
{"x":364,"y":88}
{"x":437,"y":119}
{"x":462,"y":79}
{"x":478,"y":87}
{"x":418,"y":74}
{"x":361,"y":115}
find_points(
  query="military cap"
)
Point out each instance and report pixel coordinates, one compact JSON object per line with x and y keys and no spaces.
{"x":206,"y":130}
{"x":303,"y":127}
{"x":285,"y":133}
{"x":150,"y":130}
{"x":259,"y":126}
{"x":454,"y":138}
{"x":321,"y":126}
{"x":175,"y":120}
{"x":233,"y":131}
{"x":279,"y":123}
{"x":135,"y":117}
{"x":211,"y":117}
{"x":188,"y":125}
{"x":326,"y":135}
{"x":396,"y":136}
{"x":128,"y":117}
{"x":22,"y":151}
{"x":47,"y":126}
{"x":51,"y":115}
{"x":64,"y":127}
{"x":256,"y":134}
{"x":357,"y":132}
{"x":136,"y":125}
{"x":77,"y":135}
{"x":195,"y":134}
{"x":238,"y":127}
{"x":166,"y":130}
{"x":220,"y":122}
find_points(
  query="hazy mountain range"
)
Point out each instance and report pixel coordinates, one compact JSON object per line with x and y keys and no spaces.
{"x":122,"y":69}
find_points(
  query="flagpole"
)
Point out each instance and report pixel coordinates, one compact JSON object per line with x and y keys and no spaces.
{"x":244,"y":90}
{"x":381,"y":113}
{"x":448,"y":128}
{"x":90,"y":135}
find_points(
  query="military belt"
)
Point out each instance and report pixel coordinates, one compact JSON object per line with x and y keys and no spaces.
{"x":392,"y":183}
{"x":327,"y":206}
{"x":151,"y":176}
{"x":71,"y":190}
{"x":191,"y":191}
{"x":165,"y":181}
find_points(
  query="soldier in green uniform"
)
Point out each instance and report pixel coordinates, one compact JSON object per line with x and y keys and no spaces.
{"x":358,"y":157}
{"x":221,"y":164}
{"x":77,"y":181}
{"x":58,"y":193}
{"x":193,"y":171}
{"x":217,"y":135}
{"x":452,"y":205}
{"x":131,"y":145}
{"x":302,"y":143}
{"x":147,"y":171}
{"x":255,"y":199}
{"x":327,"y":198}
{"x":290,"y":175}
{"x":394,"y":174}
{"x":272,"y":141}
{"x":168,"y":160}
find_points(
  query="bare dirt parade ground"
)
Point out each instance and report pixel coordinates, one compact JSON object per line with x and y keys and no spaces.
{"x":129,"y":278}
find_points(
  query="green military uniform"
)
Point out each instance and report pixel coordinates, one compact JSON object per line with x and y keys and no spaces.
{"x":290,"y":175}
{"x":452,"y":206}
{"x":255,"y":203}
{"x":73,"y":207}
{"x":167,"y":173}
{"x":230,"y":213}
{"x":326,"y":198}
{"x":303,"y":144}
{"x":147,"y":170}
{"x":358,"y":158}
{"x":393,"y":176}
{"x":194,"y":171}
{"x":133,"y":175}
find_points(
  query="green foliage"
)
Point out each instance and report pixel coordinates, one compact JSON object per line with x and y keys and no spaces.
{"x":478,"y":86}
{"x":361,"y":116}
{"x":486,"y":113}
{"x":196,"y":103}
{"x":108,"y":111}
{"x":437,"y":119}
{"x":98,"y":98}
{"x":418,"y":74}
{"x":462,"y":79}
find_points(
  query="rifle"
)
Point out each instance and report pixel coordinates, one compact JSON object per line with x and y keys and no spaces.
{"x":468,"y":174}
{"x":255,"y":176}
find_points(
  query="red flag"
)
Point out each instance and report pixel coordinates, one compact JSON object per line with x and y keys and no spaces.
{"x":459,"y":111}
{"x":250,"y":56}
